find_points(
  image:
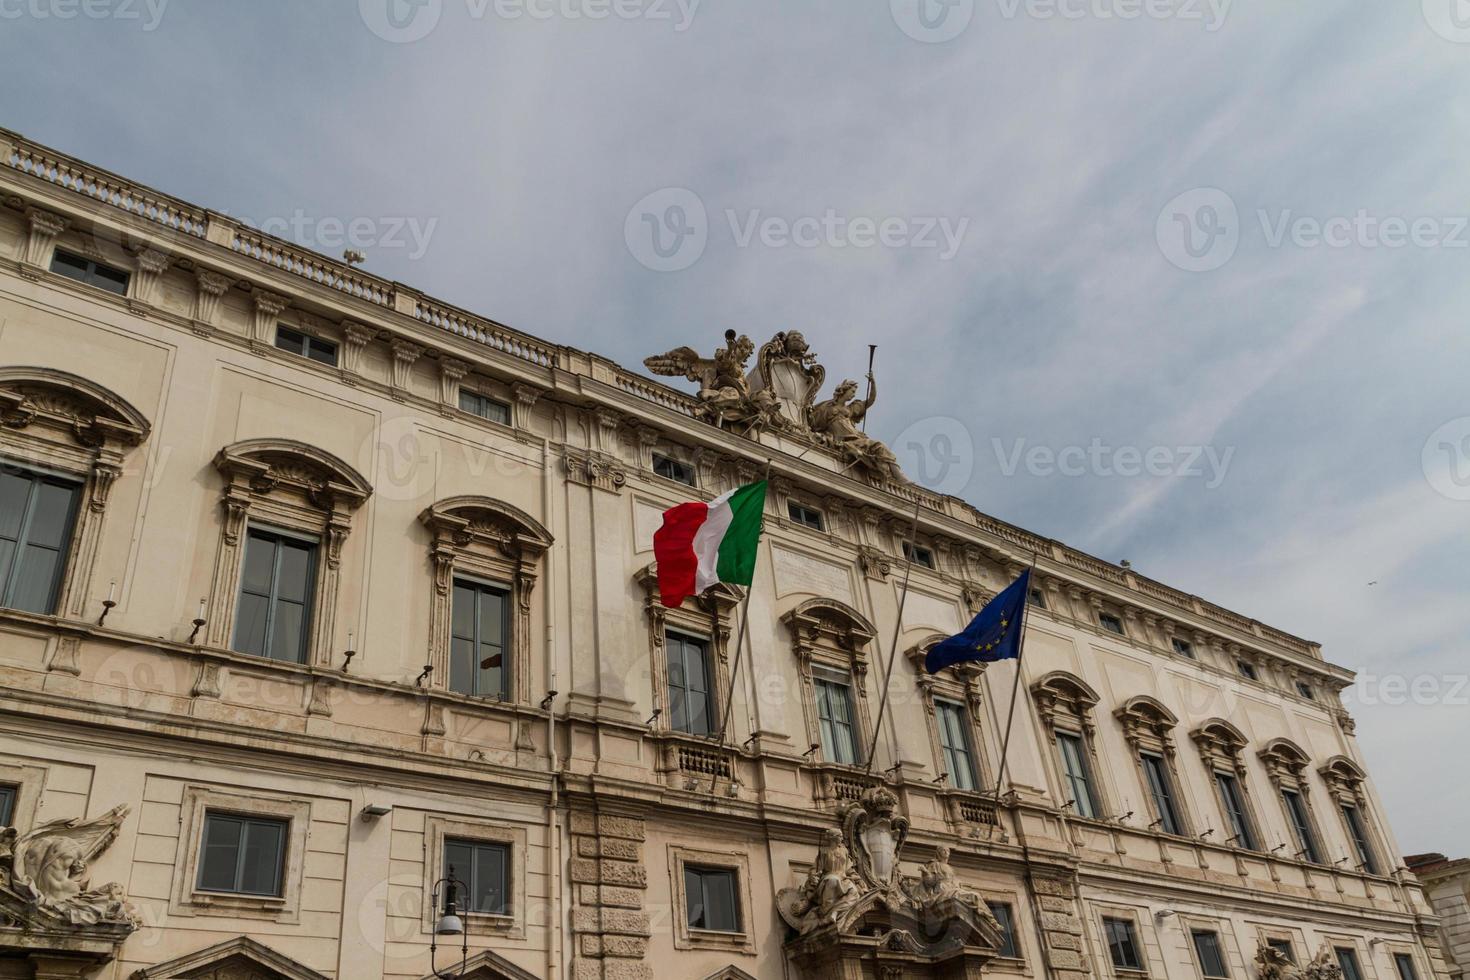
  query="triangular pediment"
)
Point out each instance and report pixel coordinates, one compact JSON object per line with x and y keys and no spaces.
{"x":730,"y":973}
{"x":241,"y":958}
{"x":486,"y":965}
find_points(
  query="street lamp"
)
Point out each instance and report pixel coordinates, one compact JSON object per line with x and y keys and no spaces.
{"x":449,"y":924}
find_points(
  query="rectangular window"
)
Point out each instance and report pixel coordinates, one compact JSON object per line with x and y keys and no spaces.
{"x":1038,"y":599}
{"x":1301,"y":826}
{"x":1347,"y":958}
{"x":834,"y":709}
{"x":1234,"y":806}
{"x":484,"y":869}
{"x":1305,"y":690}
{"x":92,"y":273}
{"x":1283,"y":946}
{"x":1183,"y":647}
{"x":1123,"y":944}
{"x":1077,"y":773}
{"x":804,"y":515}
{"x":486,"y":408}
{"x":672,"y":469}
{"x":1359,"y":833}
{"x":953,"y":721}
{"x":1002,"y":912}
{"x":242,"y":855}
{"x":36,"y":517}
{"x":1161,"y":789}
{"x":691,"y":701}
{"x":479,"y":636}
{"x":7,"y":805}
{"x":1207,"y":948}
{"x":276,"y":585}
{"x":1111,"y":623}
{"x":1404,"y":963}
{"x":1247,"y":670}
{"x":711,"y":898}
{"x":918,"y":554}
{"x":304,"y":344}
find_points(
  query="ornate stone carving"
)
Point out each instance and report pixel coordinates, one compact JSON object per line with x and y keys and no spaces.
{"x":48,"y":865}
{"x":788,"y":369}
{"x":836,"y":422}
{"x":875,"y":834}
{"x":211,"y":286}
{"x":268,"y":306}
{"x":45,"y":226}
{"x":830,"y":888}
{"x":404,"y":354}
{"x":724,"y":392}
{"x":151,"y":265}
{"x":1272,"y":964}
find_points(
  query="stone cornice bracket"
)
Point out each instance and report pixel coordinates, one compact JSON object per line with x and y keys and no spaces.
{"x":404,"y":355}
{"x":527,"y":395}
{"x":451,"y":372}
{"x":355,"y":338}
{"x":594,"y":469}
{"x":44,"y":227}
{"x":876,"y":564}
{"x":151,"y":265}
{"x":268,"y":306}
{"x":211,"y":286}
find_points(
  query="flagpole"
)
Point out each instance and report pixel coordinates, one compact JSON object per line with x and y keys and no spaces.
{"x":740,"y":639}
{"x":897,"y":627}
{"x":1005,"y":747}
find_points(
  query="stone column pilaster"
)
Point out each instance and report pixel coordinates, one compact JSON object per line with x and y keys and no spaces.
{"x":609,"y":924}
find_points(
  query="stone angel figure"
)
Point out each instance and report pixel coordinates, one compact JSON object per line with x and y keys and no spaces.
{"x":837,"y":420}
{"x":48,"y":864}
{"x":724,"y":392}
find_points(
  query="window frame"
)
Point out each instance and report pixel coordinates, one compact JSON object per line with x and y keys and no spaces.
{"x":1159,"y":781}
{"x":1139,"y":966}
{"x":1084,"y":777}
{"x":278,"y":536}
{"x":1348,"y":961}
{"x":1247,"y":670}
{"x":807,"y":516}
{"x":89,"y":275}
{"x":197,"y":802}
{"x":1304,"y":689}
{"x":736,"y":862}
{"x":712,"y":709}
{"x":968,"y":761}
{"x":701,"y":872}
{"x":311,"y":343}
{"x":920,"y":555}
{"x":1402,"y":959}
{"x":507,"y":876}
{"x":1299,"y":820}
{"x":675,"y":466}
{"x":1117,"y":628}
{"x":1358,"y":836}
{"x":247,"y":823}
{"x":36,"y":478}
{"x":1010,"y":947}
{"x":9,"y":797}
{"x":1182,"y":647}
{"x":1235,"y":809}
{"x":478,"y":399}
{"x":495,"y":828}
{"x":481,"y":587}
{"x":1196,"y":933}
{"x":825,"y":683}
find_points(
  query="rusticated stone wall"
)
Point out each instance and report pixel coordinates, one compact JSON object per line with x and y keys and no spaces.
{"x":609,"y":923}
{"x":1060,"y":925}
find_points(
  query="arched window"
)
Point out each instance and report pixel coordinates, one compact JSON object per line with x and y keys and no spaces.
{"x":689,"y":656}
{"x":486,"y":556}
{"x":1286,"y":765}
{"x":831,"y":640}
{"x":952,"y":706}
{"x":1345,"y":782}
{"x":1065,"y":704}
{"x":1222,"y":749}
{"x":287,"y":512}
{"x":63,"y":443}
{"x":1148,"y":727}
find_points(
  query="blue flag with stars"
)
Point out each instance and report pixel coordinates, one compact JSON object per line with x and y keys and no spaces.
{"x":994,"y":633}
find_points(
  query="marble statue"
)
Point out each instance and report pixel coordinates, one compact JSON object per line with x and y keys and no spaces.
{"x":724,"y":392}
{"x":837,"y":421}
{"x":48,"y":865}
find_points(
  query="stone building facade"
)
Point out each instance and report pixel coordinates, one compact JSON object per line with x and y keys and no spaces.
{"x":315,"y":586}
{"x":1447,"y":884}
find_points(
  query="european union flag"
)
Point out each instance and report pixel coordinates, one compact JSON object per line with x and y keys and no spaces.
{"x":994,"y":633}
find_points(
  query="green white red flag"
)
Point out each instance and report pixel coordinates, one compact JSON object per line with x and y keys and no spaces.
{"x":701,"y":544}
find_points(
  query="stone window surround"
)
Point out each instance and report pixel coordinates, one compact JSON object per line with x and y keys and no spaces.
{"x":29,"y":782}
{"x":827,"y":633}
{"x":496,"y":391}
{"x":1128,"y":914}
{"x":1345,"y":780}
{"x":1065,"y":703}
{"x":285,"y":484}
{"x":438,"y":829}
{"x":1148,"y":726}
{"x":1222,"y":749}
{"x":1229,"y":950}
{"x":57,"y":422}
{"x":708,"y":617}
{"x":487,"y":539}
{"x":959,"y":684}
{"x":687,"y":938}
{"x":1286,"y":766}
{"x":187,"y":899}
{"x":1021,"y":963}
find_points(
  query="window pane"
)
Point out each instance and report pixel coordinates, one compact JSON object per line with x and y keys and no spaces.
{"x":1347,"y":958}
{"x":1078,"y":780}
{"x":1234,"y":806}
{"x":293,"y":581}
{"x":462,"y":666}
{"x":261,"y":864}
{"x":487,"y":884}
{"x":719,"y":897}
{"x":50,"y":515}
{"x":290,"y":341}
{"x":1121,"y":944}
{"x":1301,"y":826}
{"x":7,"y":805}
{"x":1283,"y":946}
{"x":110,"y":279}
{"x":955,"y":741}
{"x":35,"y":579}
{"x":69,"y":265}
{"x":288,"y":641}
{"x":259,"y":566}
{"x":1404,"y":963}
{"x":491,"y":663}
{"x":15,"y":490}
{"x":459,"y":863}
{"x":1211,"y":961}
{"x":221,"y":853}
{"x":250,"y":623}
{"x":1359,"y":834}
{"x":321,"y":350}
{"x":1159,"y":789}
{"x":462,"y":616}
{"x":1002,"y":913}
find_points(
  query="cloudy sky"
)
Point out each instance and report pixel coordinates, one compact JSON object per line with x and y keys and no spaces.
{"x":1177,"y":281}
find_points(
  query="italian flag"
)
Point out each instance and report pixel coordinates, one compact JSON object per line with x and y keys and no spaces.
{"x":701,"y":544}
